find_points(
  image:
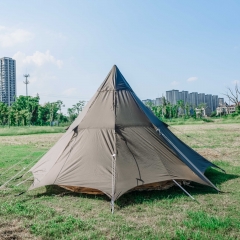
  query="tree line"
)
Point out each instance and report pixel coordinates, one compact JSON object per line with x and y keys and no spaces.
{"x":169,"y":111}
{"x":27,"y":110}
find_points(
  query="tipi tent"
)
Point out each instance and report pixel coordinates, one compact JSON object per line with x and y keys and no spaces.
{"x":117,"y":144}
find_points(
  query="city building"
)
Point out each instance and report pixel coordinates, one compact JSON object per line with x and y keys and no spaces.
{"x":220,"y":101}
{"x":159,"y":101}
{"x":175,"y":96}
{"x":214,"y":102}
{"x":169,"y":96}
{"x":208,"y":101}
{"x":201,"y":98}
{"x":8,"y":89}
{"x":193,"y":99}
{"x":172,"y":96}
{"x":225,"y":109}
{"x":184,"y":96}
{"x":149,"y":102}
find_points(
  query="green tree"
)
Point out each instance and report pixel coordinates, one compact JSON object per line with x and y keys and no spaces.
{"x":3,"y":113}
{"x":79,"y":106}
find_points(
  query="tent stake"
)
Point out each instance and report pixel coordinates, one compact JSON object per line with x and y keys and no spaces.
{"x":112,"y":206}
{"x":184,"y":190}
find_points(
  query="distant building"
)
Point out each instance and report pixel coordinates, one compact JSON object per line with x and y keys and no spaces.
{"x":172,"y":96}
{"x":175,"y":96}
{"x":225,"y":109}
{"x":8,"y":89}
{"x":220,"y":101}
{"x":208,"y":101}
{"x":169,"y":96}
{"x":201,"y":98}
{"x":184,"y":96}
{"x":214,"y":102}
{"x":193,"y":99}
{"x":159,"y":101}
{"x":149,"y":101}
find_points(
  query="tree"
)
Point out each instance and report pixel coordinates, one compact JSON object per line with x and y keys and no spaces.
{"x":79,"y":106}
{"x":60,"y":105}
{"x":233,"y":97}
{"x":202,"y":106}
{"x":52,"y":111}
{"x":181,"y":108}
{"x":72,"y":114}
{"x":3,"y":113}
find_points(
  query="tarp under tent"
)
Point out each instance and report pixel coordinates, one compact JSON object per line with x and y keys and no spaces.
{"x":117,"y":144}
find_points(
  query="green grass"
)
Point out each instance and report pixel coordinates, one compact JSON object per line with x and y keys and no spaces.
{"x":14,"y":131}
{"x":228,"y":119}
{"x":54,"y":213}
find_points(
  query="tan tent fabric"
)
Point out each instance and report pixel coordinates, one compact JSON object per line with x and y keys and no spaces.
{"x":112,"y":148}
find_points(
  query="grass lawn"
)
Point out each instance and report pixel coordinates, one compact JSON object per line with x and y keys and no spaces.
{"x":13,"y":131}
{"x":227,"y":119}
{"x":54,"y":213}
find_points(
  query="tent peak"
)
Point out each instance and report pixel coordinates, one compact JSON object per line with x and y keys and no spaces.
{"x":115,"y":81}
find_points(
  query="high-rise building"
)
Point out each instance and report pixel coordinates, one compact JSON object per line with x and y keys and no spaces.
{"x":208,"y":99}
{"x":220,"y":101}
{"x":193,"y":99}
{"x":184,"y":96}
{"x":201,"y":98}
{"x":172,"y":96}
{"x":159,"y":101}
{"x":215,"y":102}
{"x":8,"y":89}
{"x":169,"y":96}
{"x":175,"y":96}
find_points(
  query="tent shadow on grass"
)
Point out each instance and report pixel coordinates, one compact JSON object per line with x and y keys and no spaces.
{"x":217,"y":177}
{"x":175,"y":192}
{"x":61,"y":192}
{"x":139,"y":197}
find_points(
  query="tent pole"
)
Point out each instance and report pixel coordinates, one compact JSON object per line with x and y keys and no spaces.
{"x":184,"y":190}
{"x":113,"y":181}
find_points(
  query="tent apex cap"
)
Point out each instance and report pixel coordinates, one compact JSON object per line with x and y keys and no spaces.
{"x":115,"y":81}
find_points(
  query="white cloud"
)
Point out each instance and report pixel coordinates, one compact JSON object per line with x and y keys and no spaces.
{"x":70,"y":92}
{"x":174,"y":83}
{"x":10,"y":37}
{"x":192,"y":79}
{"x":2,"y":27}
{"x":236,"y":82}
{"x":38,"y":58}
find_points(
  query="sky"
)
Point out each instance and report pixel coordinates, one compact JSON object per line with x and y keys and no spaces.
{"x":68,"y":47}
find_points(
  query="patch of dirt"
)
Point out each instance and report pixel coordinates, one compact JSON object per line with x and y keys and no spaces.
{"x":213,"y":141}
{"x":12,"y":231}
{"x":39,"y":140}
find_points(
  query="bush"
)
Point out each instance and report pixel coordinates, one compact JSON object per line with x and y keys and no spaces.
{"x":234,"y":114}
{"x":213,"y":114}
{"x":207,"y":120}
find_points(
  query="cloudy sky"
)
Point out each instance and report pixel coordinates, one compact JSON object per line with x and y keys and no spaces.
{"x":68,"y":47}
